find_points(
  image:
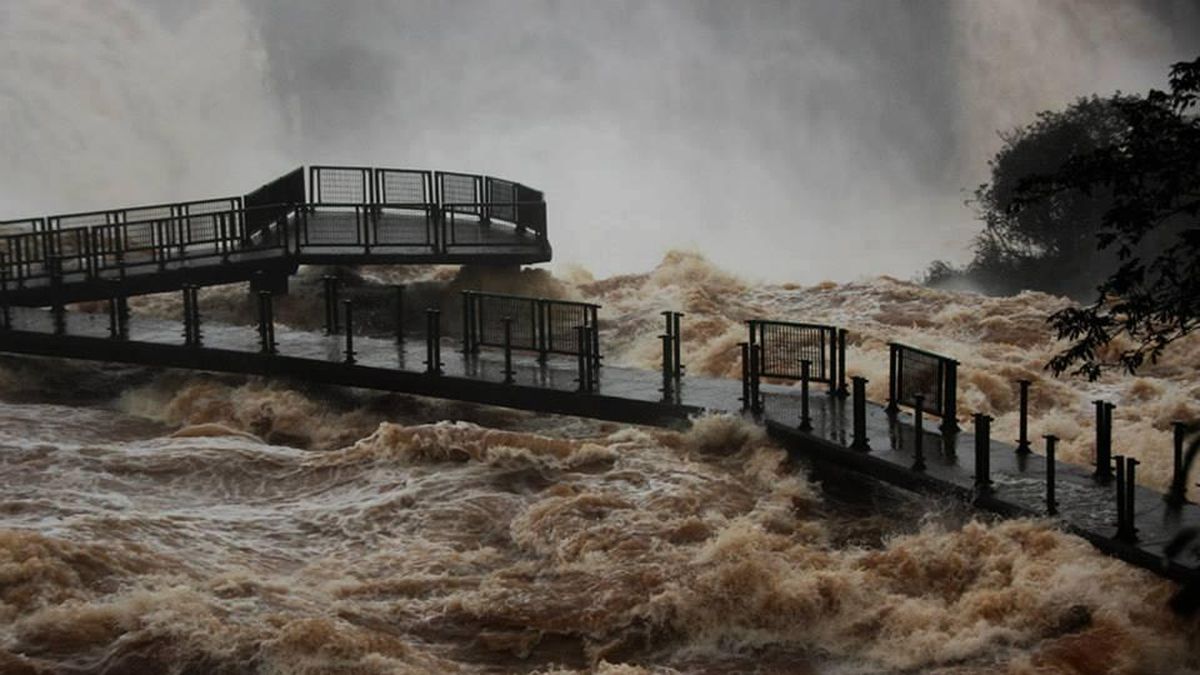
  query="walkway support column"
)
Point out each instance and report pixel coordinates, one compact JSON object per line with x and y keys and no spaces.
{"x":859,"y":405}
{"x":1177,"y":495}
{"x":7,"y":314}
{"x":433,"y":341}
{"x":1103,"y":441}
{"x":508,"y":364}
{"x":331,"y":301}
{"x":983,"y":452}
{"x":349,"y":305}
{"x":1051,"y":502}
{"x":266,"y":323}
{"x":399,"y":312}
{"x":1023,"y":433}
{"x":919,"y":433}
{"x":805,"y":418}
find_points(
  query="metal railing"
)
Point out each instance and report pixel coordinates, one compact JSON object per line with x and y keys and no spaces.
{"x":537,"y":324}
{"x":933,"y":378}
{"x":784,"y":346}
{"x":105,"y":251}
{"x":379,"y":207}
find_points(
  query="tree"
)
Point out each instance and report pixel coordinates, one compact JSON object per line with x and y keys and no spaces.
{"x":1151,"y":179}
{"x":1064,"y":223}
{"x":1049,"y":245}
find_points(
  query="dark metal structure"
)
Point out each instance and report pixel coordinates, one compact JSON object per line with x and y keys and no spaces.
{"x":787,"y":345}
{"x":343,"y":215}
{"x":917,"y":373}
{"x":537,"y":324}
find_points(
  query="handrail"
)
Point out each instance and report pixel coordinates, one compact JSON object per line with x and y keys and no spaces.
{"x":119,"y":236}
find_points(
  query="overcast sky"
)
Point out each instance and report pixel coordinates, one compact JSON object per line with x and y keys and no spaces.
{"x":784,"y":140}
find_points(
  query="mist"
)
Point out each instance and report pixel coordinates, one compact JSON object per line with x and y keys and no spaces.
{"x":784,"y":141}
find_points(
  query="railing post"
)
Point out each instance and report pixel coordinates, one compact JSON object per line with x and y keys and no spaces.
{"x":919,"y":433}
{"x":187,"y":315}
{"x":544,"y":326}
{"x":114,"y":323}
{"x":745,"y":347}
{"x":667,"y":367}
{"x":349,"y":305}
{"x":756,"y":360}
{"x":859,"y":404}
{"x":331,"y":299}
{"x":805,"y":419}
{"x":1023,"y":433}
{"x":508,"y":365}
{"x":58,"y":308}
{"x":950,"y":394}
{"x":468,"y":322}
{"x":191,"y":315}
{"x":1122,"y":529}
{"x":584,"y":367}
{"x":7,"y":314}
{"x":1130,"y":492}
{"x":672,"y":352}
{"x":594,"y":341}
{"x":1103,"y":438}
{"x":1051,"y":502}
{"x":679,"y":367}
{"x":399,"y":312}
{"x":893,"y":405}
{"x":433,"y":341}
{"x":983,"y":452}
{"x":841,"y":364}
{"x":587,"y":360}
{"x":1177,"y":495}
{"x":266,"y":323}
{"x":123,"y":315}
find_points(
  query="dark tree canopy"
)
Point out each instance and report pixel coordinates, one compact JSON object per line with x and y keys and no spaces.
{"x":1150,"y":179}
{"x":1049,"y":245}
{"x":1064,"y":223}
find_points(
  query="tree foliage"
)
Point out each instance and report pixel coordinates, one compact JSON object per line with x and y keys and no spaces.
{"x":1049,"y":245}
{"x":1150,"y":179}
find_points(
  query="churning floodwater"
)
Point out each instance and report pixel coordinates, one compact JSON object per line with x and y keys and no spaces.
{"x":186,"y":523}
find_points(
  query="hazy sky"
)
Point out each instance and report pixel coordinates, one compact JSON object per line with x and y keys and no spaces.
{"x":784,"y":140}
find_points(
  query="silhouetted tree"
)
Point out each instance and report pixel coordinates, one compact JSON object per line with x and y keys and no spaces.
{"x":1049,"y":245}
{"x":1150,"y":182}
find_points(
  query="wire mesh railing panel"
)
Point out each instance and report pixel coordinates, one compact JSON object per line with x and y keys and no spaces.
{"x":919,"y":373}
{"x":403,"y":186}
{"x":203,"y":228}
{"x":90,"y":219}
{"x":402,"y":227}
{"x":23,"y":226}
{"x":212,"y":206}
{"x":72,"y":247}
{"x":501,"y":199}
{"x":562,"y":318}
{"x":459,"y":192}
{"x":531,"y":210}
{"x":143,"y":213}
{"x":341,"y":185}
{"x":785,"y":346}
{"x":335,"y":227}
{"x":490,"y":311}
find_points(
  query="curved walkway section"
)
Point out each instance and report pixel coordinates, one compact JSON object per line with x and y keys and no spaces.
{"x":325,"y":215}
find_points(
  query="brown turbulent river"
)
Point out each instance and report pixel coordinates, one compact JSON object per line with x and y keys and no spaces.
{"x":180,"y":523}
